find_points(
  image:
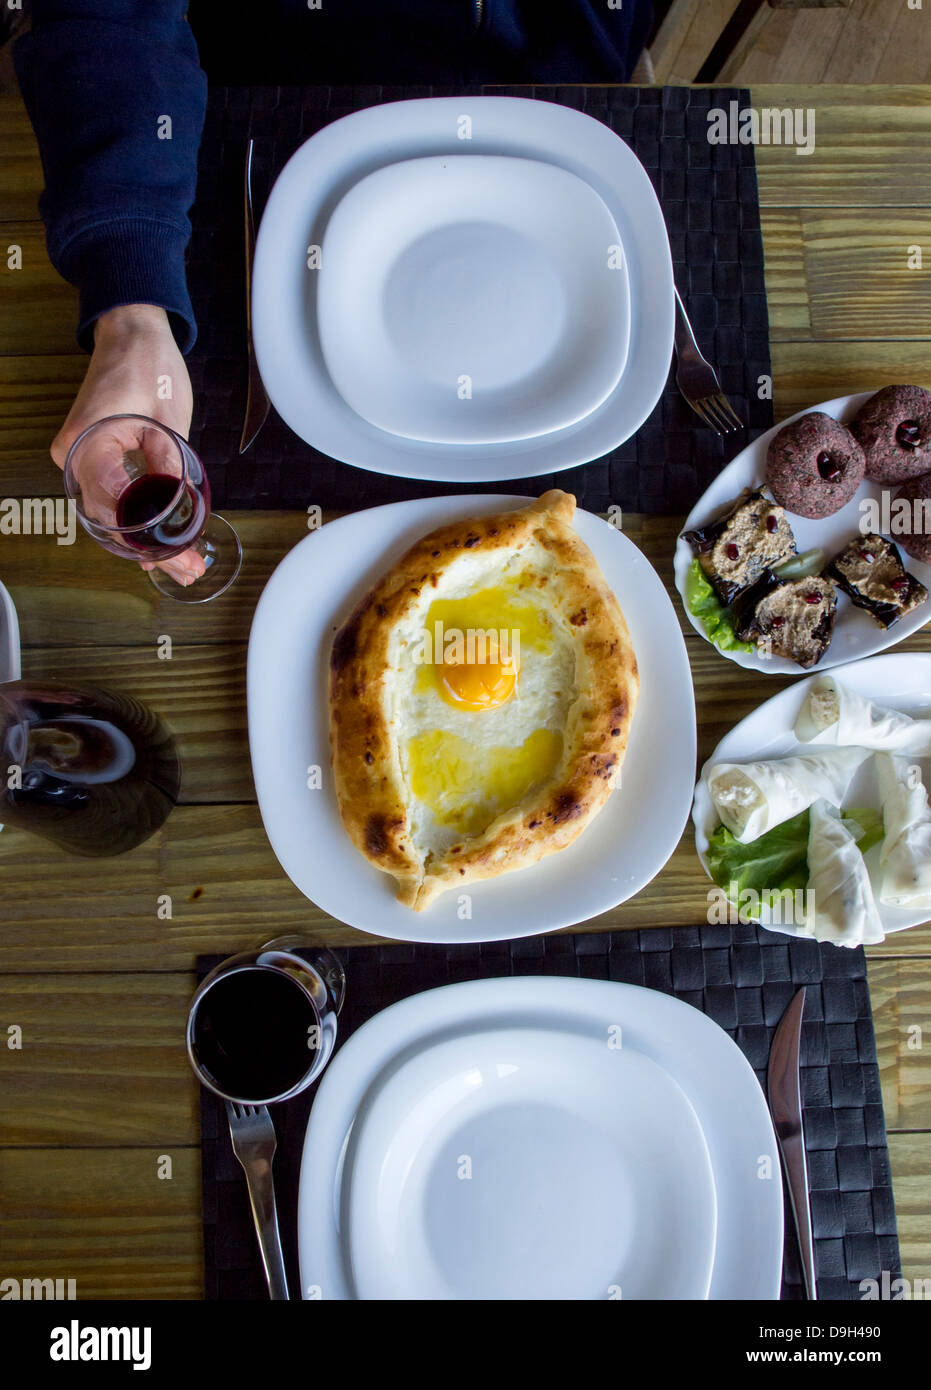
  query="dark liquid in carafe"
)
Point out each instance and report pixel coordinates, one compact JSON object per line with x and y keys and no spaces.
{"x":95,"y":771}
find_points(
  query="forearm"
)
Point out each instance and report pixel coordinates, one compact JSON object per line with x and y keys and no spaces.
{"x":116,"y":97}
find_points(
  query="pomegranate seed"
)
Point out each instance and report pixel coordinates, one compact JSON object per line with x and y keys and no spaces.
{"x":778,"y":622}
{"x":813,"y":598}
{"x":868,"y":556}
{"x":828,"y":468}
{"x":731,"y":551}
{"x":771,"y":524}
{"x":909,"y":434}
{"x":900,"y":585}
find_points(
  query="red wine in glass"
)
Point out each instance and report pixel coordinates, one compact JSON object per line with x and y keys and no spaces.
{"x":147,"y":499}
{"x":262,"y":1025}
{"x":141,"y":491}
{"x":251,"y":1033}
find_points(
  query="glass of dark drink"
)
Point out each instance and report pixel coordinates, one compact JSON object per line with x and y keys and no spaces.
{"x":141,"y":491}
{"x":92,"y":770}
{"x":262,"y":1025}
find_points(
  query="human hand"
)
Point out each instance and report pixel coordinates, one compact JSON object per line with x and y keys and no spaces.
{"x":135,"y":368}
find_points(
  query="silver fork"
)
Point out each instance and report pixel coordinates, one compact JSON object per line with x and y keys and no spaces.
{"x":698,"y":381}
{"x":254,"y":1144}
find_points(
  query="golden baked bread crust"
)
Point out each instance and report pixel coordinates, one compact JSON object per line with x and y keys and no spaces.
{"x":367,"y":764}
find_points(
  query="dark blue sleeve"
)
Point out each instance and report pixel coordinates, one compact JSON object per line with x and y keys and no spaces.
{"x":116,"y":97}
{"x":571,"y":40}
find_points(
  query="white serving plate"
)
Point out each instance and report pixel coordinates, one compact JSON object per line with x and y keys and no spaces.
{"x":311,"y":594}
{"x":696,"y":1056}
{"x":900,"y":681}
{"x":470,"y":299}
{"x":466,"y":1144}
{"x":326,"y":167}
{"x":856,"y":634}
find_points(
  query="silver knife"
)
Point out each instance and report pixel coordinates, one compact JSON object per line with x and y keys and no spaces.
{"x":785,"y":1104}
{"x":257,"y":402}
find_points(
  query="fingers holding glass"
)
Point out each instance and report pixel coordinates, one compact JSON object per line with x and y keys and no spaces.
{"x":141,"y":491}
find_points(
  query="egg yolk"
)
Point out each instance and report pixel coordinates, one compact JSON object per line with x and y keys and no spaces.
{"x":475,"y":686}
{"x":477,"y":666}
{"x":466,"y":787}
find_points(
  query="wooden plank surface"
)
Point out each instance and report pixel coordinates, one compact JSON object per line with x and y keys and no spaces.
{"x":804,"y":374}
{"x":871,"y":148}
{"x":36,"y":301}
{"x":103,"y":1217}
{"x":910,"y":1157}
{"x":102,"y":1061}
{"x":830,"y":276}
{"x":900,"y":994}
{"x":36,"y":393}
{"x":20,"y":166}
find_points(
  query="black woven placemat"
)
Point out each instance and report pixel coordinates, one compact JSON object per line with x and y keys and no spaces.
{"x":740,"y":976}
{"x":710,"y":202}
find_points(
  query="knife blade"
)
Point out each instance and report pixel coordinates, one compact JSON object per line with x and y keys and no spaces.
{"x":785,"y":1104}
{"x":257,"y":402}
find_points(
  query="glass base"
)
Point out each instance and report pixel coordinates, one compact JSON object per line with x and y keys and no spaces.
{"x":220,"y":549}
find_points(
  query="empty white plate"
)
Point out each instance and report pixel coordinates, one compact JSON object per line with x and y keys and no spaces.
{"x":699,"y":1056}
{"x":287,"y":276}
{"x":473,"y":299}
{"x":530,"y":1163}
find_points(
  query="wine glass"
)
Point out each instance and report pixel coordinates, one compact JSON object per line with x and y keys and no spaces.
{"x":141,"y":491}
{"x":262,"y":1025}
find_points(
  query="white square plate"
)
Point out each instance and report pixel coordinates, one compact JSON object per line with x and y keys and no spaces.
{"x":286,"y":278}
{"x":473,"y":299}
{"x":310,"y":595}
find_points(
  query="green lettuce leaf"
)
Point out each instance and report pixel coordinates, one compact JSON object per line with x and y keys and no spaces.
{"x":778,"y":861}
{"x":704,"y":604}
{"x":870,"y":822}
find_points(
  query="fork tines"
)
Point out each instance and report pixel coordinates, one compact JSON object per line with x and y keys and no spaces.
{"x":717,"y":412}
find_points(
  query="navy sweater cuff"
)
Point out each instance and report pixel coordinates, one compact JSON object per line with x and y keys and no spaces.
{"x":130,"y":260}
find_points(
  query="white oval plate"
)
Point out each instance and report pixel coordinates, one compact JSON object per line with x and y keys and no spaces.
{"x":901,"y":681}
{"x":856,"y":634}
{"x":311,"y":593}
{"x":587,"y":1172}
{"x":471,"y":299}
{"x":694,"y":1052}
{"x":326,"y":167}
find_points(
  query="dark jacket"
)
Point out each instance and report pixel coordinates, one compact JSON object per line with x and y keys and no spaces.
{"x":116,"y":93}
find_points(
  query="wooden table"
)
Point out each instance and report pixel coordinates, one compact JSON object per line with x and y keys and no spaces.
{"x":101,"y":1089}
